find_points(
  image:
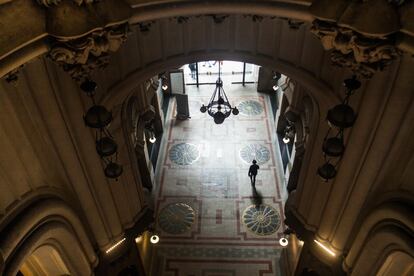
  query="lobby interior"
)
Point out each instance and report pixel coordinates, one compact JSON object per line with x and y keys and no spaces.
{"x":72,"y":206}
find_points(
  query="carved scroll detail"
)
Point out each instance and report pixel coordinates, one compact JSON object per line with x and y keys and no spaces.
{"x":81,"y":56}
{"x":363,"y":55}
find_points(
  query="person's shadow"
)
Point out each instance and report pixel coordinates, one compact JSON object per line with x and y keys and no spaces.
{"x":257,"y":198}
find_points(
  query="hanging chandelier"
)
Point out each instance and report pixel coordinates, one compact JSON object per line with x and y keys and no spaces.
{"x":98,"y":118}
{"x":219,"y":107}
{"x":339,"y":118}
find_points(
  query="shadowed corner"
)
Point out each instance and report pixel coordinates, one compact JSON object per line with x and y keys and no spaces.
{"x":257,"y":198}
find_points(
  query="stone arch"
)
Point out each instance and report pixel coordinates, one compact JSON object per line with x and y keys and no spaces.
{"x":317,"y":89}
{"x":380,"y":245}
{"x":46,"y":259}
{"x":385,"y":230}
{"x":29,"y":48}
{"x":397,"y":263}
{"x":47,"y":221}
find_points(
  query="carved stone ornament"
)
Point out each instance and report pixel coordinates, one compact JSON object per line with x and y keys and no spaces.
{"x":255,"y":17}
{"x":363,"y":55}
{"x":181,"y":19}
{"x":79,"y":57}
{"x":13,"y":76}
{"x":218,"y":18}
{"x":295,"y":24}
{"x":48,"y":3}
{"x":145,"y":27}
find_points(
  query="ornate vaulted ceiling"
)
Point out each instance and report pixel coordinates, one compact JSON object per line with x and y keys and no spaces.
{"x":48,"y":151}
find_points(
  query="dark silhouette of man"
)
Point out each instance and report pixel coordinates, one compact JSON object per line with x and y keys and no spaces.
{"x":192,"y":67}
{"x":253,"y":172}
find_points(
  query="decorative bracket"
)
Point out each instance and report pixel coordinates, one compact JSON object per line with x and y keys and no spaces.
{"x":13,"y":76}
{"x":364,"y":55}
{"x":79,"y":57}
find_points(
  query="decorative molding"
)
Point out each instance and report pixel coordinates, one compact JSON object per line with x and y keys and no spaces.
{"x":79,"y":57}
{"x":13,"y":76}
{"x":255,"y":17}
{"x":218,"y":18}
{"x":294,"y":24}
{"x":181,"y":19}
{"x":364,"y":55}
{"x":145,"y":27}
{"x":48,"y":3}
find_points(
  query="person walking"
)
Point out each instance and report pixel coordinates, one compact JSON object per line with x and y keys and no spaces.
{"x":193,"y":70}
{"x":253,"y":172}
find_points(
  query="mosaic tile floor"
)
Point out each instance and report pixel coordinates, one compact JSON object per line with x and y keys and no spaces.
{"x":209,"y":219}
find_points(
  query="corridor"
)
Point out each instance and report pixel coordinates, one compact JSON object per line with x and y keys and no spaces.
{"x":209,"y":219}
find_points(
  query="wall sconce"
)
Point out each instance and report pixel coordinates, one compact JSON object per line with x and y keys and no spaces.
{"x":150,"y":132}
{"x":99,"y":118}
{"x":289,"y":133}
{"x":152,"y":138}
{"x":164,"y":83}
{"x":283,"y":241}
{"x":275,"y":79}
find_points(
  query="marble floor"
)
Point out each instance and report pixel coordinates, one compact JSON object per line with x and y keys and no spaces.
{"x":210,"y":220}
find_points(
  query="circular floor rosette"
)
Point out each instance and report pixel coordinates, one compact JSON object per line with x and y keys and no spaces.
{"x":256,"y":152}
{"x":262,"y":220}
{"x":184,"y":154}
{"x":250,"y":108}
{"x":176,"y":218}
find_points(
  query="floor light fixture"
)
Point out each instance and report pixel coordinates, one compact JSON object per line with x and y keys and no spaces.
{"x":112,"y":248}
{"x":325,"y":248}
{"x":154,"y":239}
{"x":283,"y":241}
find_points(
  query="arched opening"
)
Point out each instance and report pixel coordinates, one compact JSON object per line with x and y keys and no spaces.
{"x":202,"y":192}
{"x":45,"y":260}
{"x":162,"y":38}
{"x":381,"y":243}
{"x":397,"y":263}
{"x":46,"y":237}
